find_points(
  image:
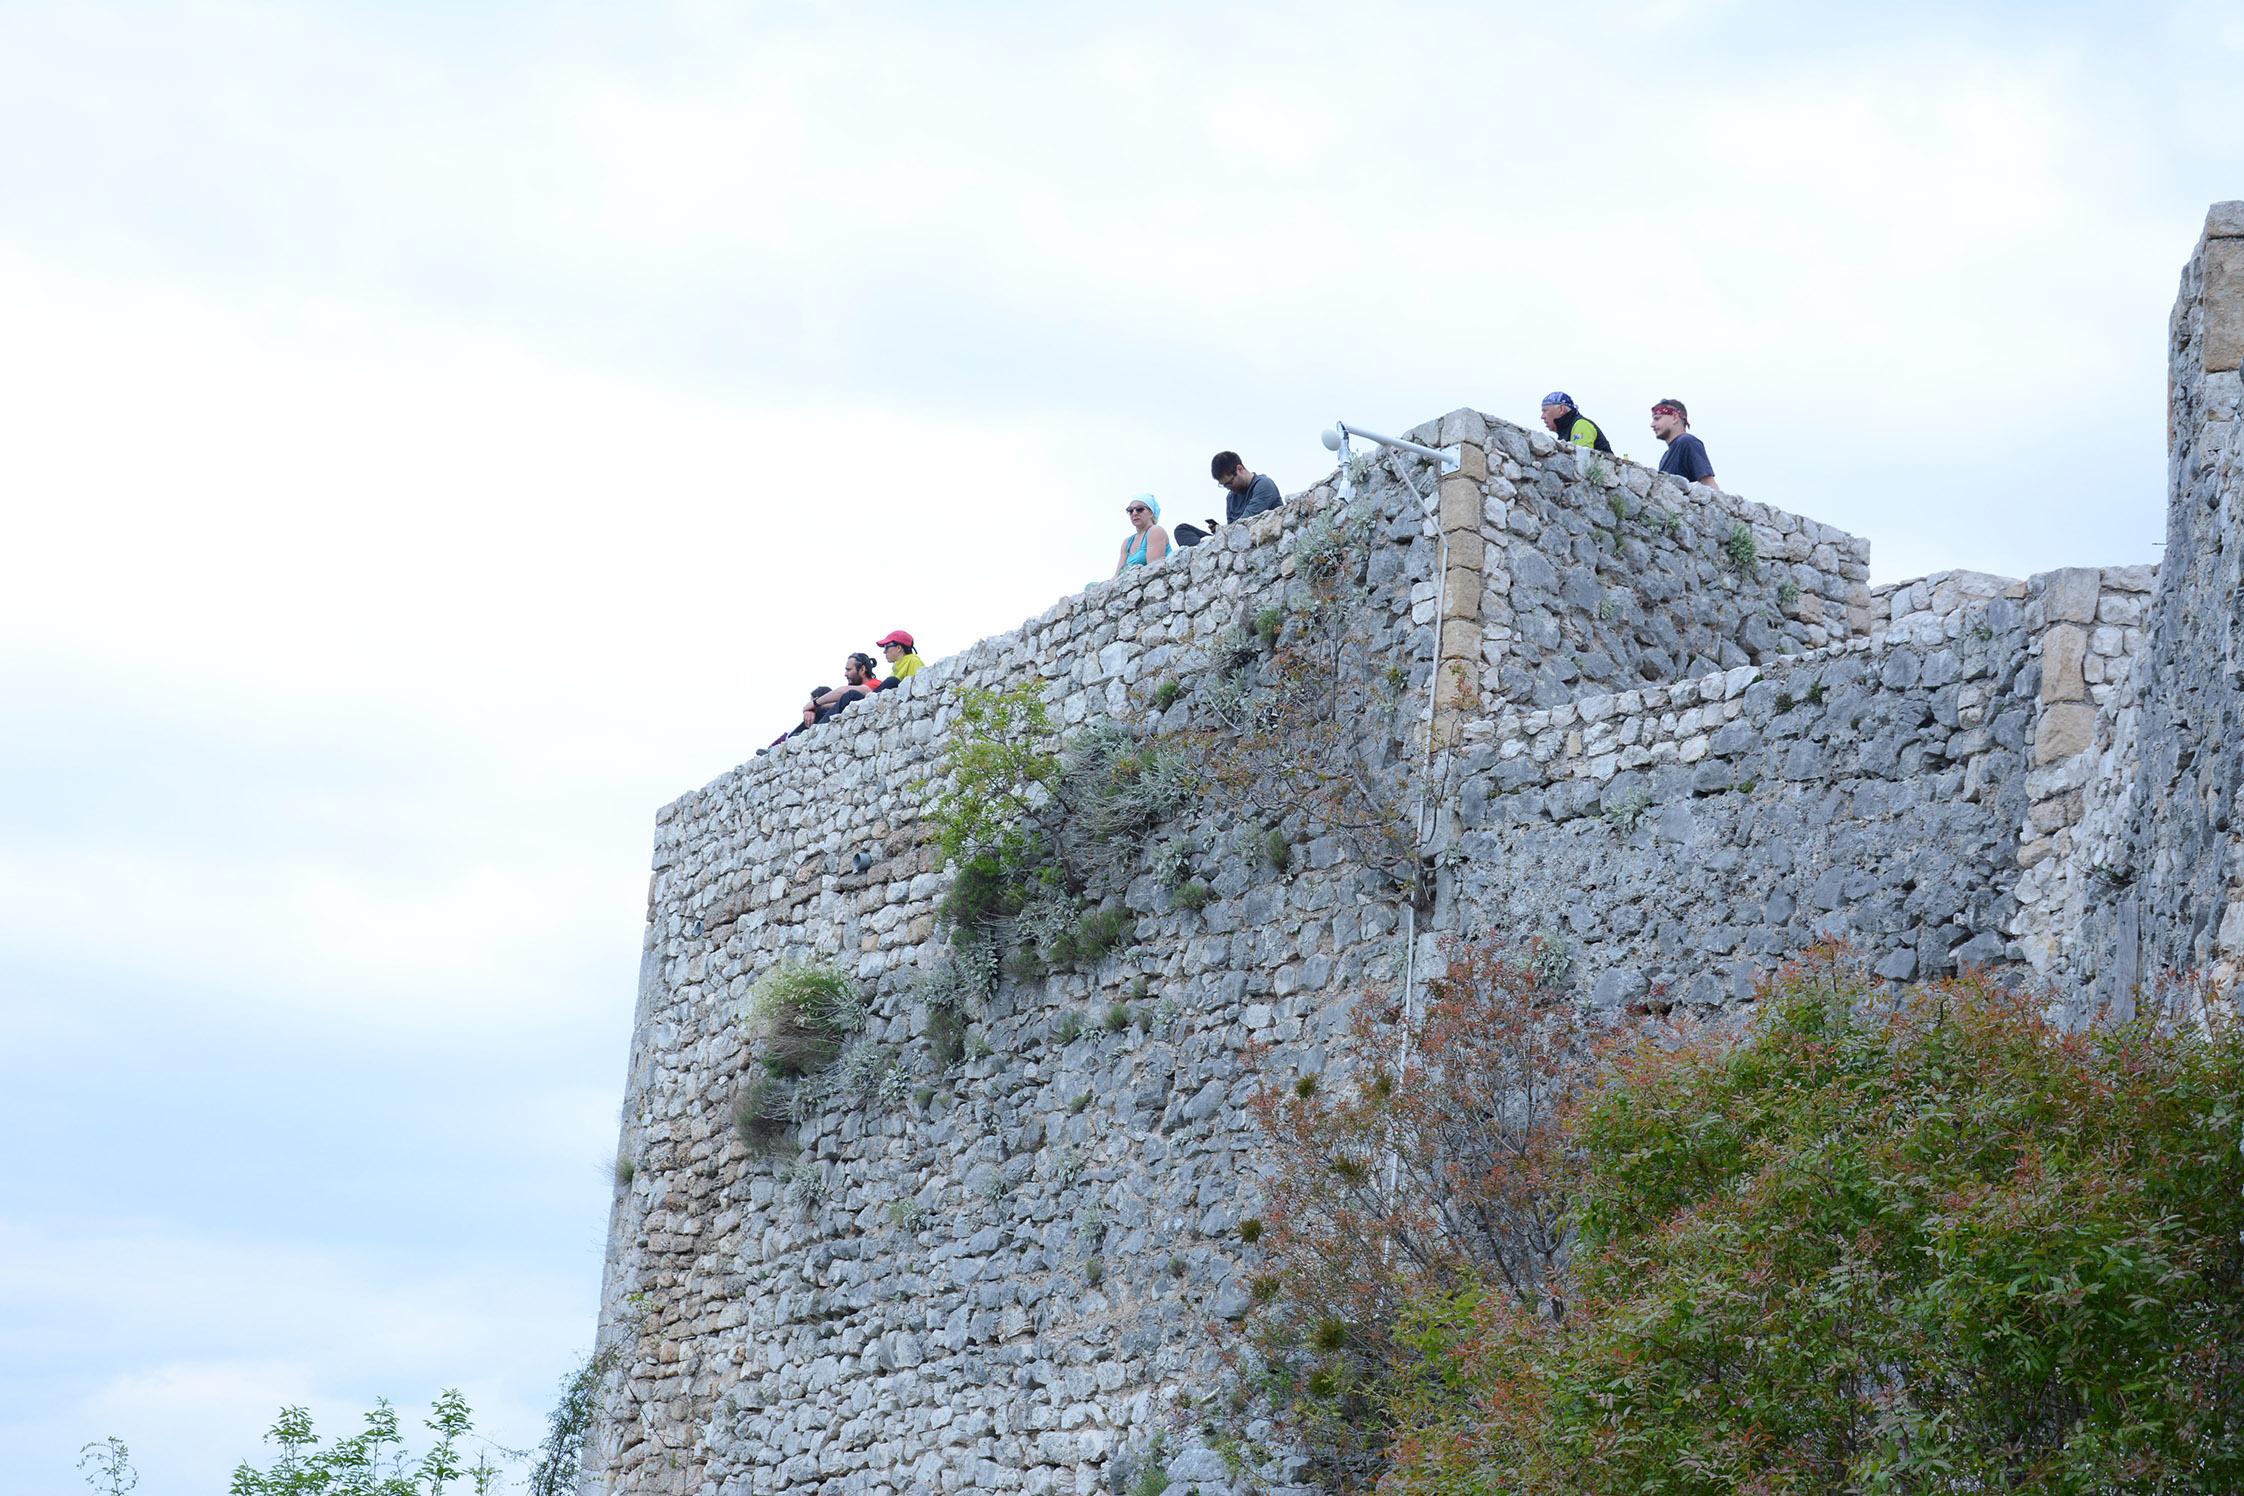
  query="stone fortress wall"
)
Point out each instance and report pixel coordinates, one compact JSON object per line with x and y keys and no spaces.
{"x":1007,"y":1281}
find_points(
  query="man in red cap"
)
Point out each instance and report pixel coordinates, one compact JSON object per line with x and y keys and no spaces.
{"x":903,"y":659}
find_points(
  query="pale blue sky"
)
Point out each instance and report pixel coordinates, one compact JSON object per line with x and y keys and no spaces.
{"x":438,"y":435}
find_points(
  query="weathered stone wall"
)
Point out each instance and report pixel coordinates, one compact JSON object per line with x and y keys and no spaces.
{"x":1878,"y":791}
{"x":988,"y":1286}
{"x":2166,"y":893}
{"x":1684,"y":762}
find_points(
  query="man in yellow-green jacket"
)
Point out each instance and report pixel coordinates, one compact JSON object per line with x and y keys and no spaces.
{"x":1561,"y":416}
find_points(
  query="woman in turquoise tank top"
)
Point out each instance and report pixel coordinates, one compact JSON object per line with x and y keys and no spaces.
{"x":1148,"y":542}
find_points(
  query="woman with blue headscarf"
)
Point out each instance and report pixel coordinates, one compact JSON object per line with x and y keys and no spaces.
{"x":1148,"y":542}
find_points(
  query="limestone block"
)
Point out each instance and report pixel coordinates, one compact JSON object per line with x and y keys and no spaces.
{"x":2066,"y":729}
{"x":1463,"y":425}
{"x":2049,"y":815}
{"x":1472,"y":462}
{"x":2069,"y":595}
{"x":2062,"y":649}
{"x":2225,"y":221}
{"x":2221,"y":342}
{"x":2125,"y":609}
{"x":1467,"y":551}
{"x":1460,"y":639}
{"x":1460,"y":503}
{"x":1461,"y":596}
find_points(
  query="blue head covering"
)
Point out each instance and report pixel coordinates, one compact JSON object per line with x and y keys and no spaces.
{"x":1150,"y":502}
{"x":1559,"y":397}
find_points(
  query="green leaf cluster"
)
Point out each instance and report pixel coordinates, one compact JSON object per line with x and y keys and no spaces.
{"x":996,"y":763}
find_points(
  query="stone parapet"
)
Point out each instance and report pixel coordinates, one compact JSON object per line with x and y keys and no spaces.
{"x":1598,"y":573}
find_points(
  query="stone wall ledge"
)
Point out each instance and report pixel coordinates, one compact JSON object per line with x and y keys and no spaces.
{"x":1237,"y":561}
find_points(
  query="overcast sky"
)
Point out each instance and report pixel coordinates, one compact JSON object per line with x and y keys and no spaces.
{"x":435,"y":435}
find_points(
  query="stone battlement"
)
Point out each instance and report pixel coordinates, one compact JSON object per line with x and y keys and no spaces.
{"x":1671,"y":731}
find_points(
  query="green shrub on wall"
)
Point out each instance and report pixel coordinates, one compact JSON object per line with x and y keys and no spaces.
{"x":1041,"y":841}
{"x":799,"y":1014}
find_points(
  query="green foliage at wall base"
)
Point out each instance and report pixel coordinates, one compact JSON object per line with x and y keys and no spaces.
{"x":1924,"y":1243}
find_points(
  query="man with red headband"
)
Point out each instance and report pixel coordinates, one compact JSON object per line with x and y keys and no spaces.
{"x":1686,"y":455}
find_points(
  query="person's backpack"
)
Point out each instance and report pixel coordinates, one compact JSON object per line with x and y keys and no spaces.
{"x":1188,"y":535}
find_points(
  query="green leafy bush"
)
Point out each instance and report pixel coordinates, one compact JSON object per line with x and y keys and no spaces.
{"x":1195,"y":895}
{"x":996,"y":759}
{"x":997,"y":764}
{"x":372,"y":1460}
{"x":1165,"y":694}
{"x":1917,"y":1243}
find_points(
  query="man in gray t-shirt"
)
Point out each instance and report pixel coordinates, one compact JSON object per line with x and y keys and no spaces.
{"x":1250,"y":492}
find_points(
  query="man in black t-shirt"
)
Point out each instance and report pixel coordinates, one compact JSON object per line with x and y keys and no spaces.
{"x":1686,"y":455}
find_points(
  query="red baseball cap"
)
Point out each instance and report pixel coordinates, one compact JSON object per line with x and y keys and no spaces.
{"x":897,"y":636}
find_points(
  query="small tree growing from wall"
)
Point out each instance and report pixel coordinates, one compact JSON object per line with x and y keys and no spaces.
{"x":1437,"y":1165}
{"x":998,"y":766}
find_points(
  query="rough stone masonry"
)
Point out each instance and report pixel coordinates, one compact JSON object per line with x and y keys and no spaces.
{"x":1673,"y":731}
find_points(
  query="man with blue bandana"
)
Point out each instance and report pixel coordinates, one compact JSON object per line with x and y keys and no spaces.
{"x":1561,"y":416}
